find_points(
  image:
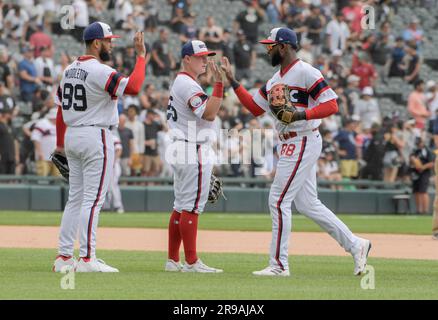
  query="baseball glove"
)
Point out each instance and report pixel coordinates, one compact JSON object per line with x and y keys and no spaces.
{"x":215,"y":189}
{"x":60,"y":161}
{"x":280,"y":103}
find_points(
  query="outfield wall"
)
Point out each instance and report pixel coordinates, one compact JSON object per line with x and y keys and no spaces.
{"x":160,"y":198}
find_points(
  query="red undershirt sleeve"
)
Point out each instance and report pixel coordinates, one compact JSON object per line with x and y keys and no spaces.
{"x":60,"y":129}
{"x":248,"y":102}
{"x":137,"y":77}
{"x":323,"y":110}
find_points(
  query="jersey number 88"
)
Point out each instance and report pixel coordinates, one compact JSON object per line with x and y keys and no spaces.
{"x":76,"y":93}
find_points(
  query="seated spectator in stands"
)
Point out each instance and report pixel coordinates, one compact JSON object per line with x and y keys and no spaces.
{"x":162,"y":58}
{"x":184,"y":4}
{"x":329,"y":169}
{"x":432,"y":98}
{"x":417,"y":107}
{"x":322,"y":64}
{"x":348,"y":149}
{"x":128,"y":59}
{"x":65,"y":61}
{"x":189,"y":30}
{"x":305,"y":53}
{"x":315,"y":23}
{"x":249,"y":20}
{"x":29,"y":80}
{"x":123,"y":8}
{"x":337,"y":33}
{"x":152,"y":162}
{"x":138,"y":133}
{"x":392,"y":159}
{"x":367,"y":109}
{"x":373,"y":153}
{"x":6,"y":75}
{"x":422,"y":162}
{"x":411,"y":64}
{"x":211,"y":35}
{"x":152,"y":20}
{"x":45,"y":68}
{"x":274,"y":11}
{"x":337,"y":67}
{"x":380,"y":50}
{"x":127,"y":140}
{"x":7,"y":102}
{"x":244,"y":57}
{"x":353,"y":14}
{"x":44,"y":140}
{"x":297,"y":23}
{"x":352,"y":92}
{"x":16,"y":23}
{"x":39,"y":40}
{"x":414,"y":34}
{"x":385,"y":31}
{"x":396,"y":59}
{"x":130,"y":25}
{"x":342,"y":101}
{"x":178,"y":21}
{"x":8,"y":152}
{"x":82,"y":19}
{"x":362,"y":68}
{"x":227,"y":46}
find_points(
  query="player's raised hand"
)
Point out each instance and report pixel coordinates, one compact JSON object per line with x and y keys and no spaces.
{"x":139,"y":46}
{"x":226,"y":67}
{"x":215,"y":71}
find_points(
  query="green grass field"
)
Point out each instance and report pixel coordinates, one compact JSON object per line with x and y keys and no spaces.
{"x":219,"y":221}
{"x":25,"y":274}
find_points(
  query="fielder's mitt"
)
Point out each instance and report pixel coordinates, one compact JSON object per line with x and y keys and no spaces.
{"x":60,"y":161}
{"x":280,"y":103}
{"x":215,"y":189}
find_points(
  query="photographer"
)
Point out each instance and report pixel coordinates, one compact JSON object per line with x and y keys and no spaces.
{"x":392,"y":158}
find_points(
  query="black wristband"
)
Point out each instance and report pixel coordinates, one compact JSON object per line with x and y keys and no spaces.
{"x":234,"y":84}
{"x":300,"y":115}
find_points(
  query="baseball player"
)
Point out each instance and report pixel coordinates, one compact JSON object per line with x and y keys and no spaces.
{"x":114,"y":196}
{"x":87,"y":111}
{"x":191,"y":109}
{"x":301,"y":144}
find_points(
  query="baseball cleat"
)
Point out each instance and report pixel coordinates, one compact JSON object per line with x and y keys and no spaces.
{"x":173,"y":266}
{"x":200,"y":267}
{"x":272,"y":271}
{"x":63,"y":263}
{"x":93,"y":265}
{"x":361,"y":256}
{"x":435,"y":236}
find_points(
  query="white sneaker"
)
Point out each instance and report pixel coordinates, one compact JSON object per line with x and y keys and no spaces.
{"x":62,"y":263}
{"x":173,"y":266}
{"x":272,"y":271}
{"x":200,"y":267}
{"x":93,"y":265}
{"x":360,"y":256}
{"x":120,"y":210}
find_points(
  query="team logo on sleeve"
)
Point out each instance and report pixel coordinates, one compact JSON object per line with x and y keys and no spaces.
{"x":197,"y":100}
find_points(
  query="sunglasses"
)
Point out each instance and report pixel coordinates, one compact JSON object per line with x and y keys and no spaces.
{"x":269,"y":47}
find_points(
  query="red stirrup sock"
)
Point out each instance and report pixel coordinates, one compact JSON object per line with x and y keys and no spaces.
{"x":188,"y":226}
{"x":174,"y":236}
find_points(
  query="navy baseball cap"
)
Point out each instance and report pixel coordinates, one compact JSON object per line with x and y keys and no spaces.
{"x":195,"y":48}
{"x":98,"y":30}
{"x":282,"y":35}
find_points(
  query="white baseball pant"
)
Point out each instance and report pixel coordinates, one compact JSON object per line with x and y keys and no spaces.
{"x":114,"y":198}
{"x":90,"y":155}
{"x":191,"y":175}
{"x":295,"y":180}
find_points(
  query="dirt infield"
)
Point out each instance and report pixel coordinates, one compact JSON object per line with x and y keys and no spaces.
{"x":301,"y":243}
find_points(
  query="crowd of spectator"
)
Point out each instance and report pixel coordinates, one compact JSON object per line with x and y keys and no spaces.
{"x":359,"y":141}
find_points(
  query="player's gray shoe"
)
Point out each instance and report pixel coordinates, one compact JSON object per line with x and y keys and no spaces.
{"x":173,"y":266}
{"x":93,"y":265}
{"x":435,"y":236}
{"x":200,"y":267}
{"x":273,"y":272}
{"x":62,"y":263}
{"x":360,"y":256}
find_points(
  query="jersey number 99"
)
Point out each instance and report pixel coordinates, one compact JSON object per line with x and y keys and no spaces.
{"x":74,"y":96}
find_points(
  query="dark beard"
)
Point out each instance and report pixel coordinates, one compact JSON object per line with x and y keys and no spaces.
{"x":104,"y":55}
{"x":275,"y":59}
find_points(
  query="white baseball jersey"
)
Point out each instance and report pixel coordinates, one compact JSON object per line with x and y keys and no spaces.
{"x":88,"y":93}
{"x":307,"y":90}
{"x":187,"y":103}
{"x":45,"y":133}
